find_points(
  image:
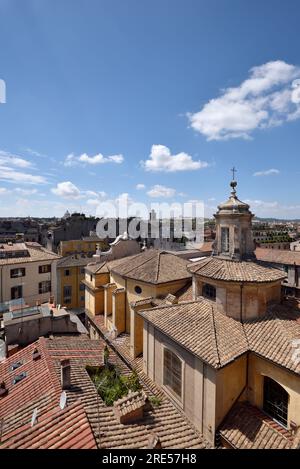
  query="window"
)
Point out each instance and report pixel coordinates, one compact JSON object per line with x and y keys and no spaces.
{"x":82,"y":298}
{"x":209,"y":291}
{"x":91,"y":278}
{"x":15,"y":273}
{"x":82,"y":270}
{"x":19,"y":377}
{"x":81,"y":287}
{"x":16,"y":292}
{"x":67,"y":294}
{"x":137,"y":289}
{"x":224,"y":239}
{"x":275,"y":401}
{"x":44,"y":287}
{"x":44,"y":269}
{"x":15,"y":365}
{"x":172,"y":371}
{"x":67,"y":272}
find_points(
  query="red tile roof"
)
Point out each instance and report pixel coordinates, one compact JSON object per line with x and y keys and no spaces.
{"x":246,"y":427}
{"x":235,"y":271}
{"x":276,"y":256}
{"x":55,"y":429}
{"x":41,"y":389}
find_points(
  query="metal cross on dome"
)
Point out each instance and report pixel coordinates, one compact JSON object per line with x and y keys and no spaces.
{"x":233,"y":173}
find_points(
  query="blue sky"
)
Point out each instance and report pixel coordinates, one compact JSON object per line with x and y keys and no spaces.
{"x":156,"y":99}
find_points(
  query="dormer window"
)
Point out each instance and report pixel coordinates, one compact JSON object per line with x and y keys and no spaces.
{"x":224,"y":239}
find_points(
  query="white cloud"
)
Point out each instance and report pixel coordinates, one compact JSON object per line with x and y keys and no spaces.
{"x":268,"y":172}
{"x":140,"y":187}
{"x":32,"y":152}
{"x":262,"y":205}
{"x":161,"y":191}
{"x":99,"y":194}
{"x":72,"y":160}
{"x":67,"y":190}
{"x":161,"y":159}
{"x":10,"y":175}
{"x":3,"y":190}
{"x":11,"y":170}
{"x":263,"y":100}
{"x":26,"y":191}
{"x":7,"y":158}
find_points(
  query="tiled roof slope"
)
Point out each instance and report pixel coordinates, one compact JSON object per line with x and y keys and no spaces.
{"x":36,"y":253}
{"x":97,"y":267}
{"x":73,"y":261}
{"x":41,"y":390}
{"x":246,"y":427}
{"x":277,"y":256}
{"x":165,"y":420}
{"x":151,"y":266}
{"x":229,"y":270}
{"x":201,"y":328}
{"x":56,"y":429}
{"x":218,"y":339}
{"x":275,"y":336}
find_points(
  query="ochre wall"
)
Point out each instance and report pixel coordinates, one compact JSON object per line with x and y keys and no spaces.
{"x":255,"y":297}
{"x":199,"y":380}
{"x":258,"y":368}
{"x":231,"y":382}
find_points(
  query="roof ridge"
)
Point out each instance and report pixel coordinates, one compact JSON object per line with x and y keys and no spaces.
{"x":215,"y":334}
{"x":158,"y":265}
{"x":143,"y":263}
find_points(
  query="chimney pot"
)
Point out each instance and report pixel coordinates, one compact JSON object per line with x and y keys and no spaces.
{"x":65,"y":374}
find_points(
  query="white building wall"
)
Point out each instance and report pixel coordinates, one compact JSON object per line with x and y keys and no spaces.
{"x":30,"y":282}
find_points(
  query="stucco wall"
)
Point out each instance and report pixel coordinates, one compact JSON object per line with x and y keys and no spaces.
{"x":30,"y":282}
{"x":254,"y":298}
{"x":258,"y":368}
{"x":199,"y":380}
{"x":231,"y":385}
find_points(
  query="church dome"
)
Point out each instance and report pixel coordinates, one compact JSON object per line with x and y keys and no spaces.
{"x":233,"y":204}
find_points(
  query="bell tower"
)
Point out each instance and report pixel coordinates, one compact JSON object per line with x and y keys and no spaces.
{"x":233,"y":228}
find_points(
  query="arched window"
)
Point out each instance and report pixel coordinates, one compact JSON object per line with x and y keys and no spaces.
{"x":224,"y":239}
{"x":275,"y":401}
{"x":172,"y":372}
{"x":209,"y":291}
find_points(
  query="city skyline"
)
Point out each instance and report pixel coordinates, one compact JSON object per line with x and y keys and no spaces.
{"x":149,"y":103}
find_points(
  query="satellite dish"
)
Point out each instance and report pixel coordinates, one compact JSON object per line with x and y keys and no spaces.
{"x":34,"y":417}
{"x":63,"y":400}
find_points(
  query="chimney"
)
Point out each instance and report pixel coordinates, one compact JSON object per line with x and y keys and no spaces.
{"x":171,"y":299}
{"x":3,"y":389}
{"x":154,"y":442}
{"x":65,"y":374}
{"x":130,"y":408}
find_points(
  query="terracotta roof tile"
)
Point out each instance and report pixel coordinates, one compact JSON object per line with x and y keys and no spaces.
{"x":55,"y":429}
{"x":278,"y":256}
{"x":218,"y":339}
{"x":235,"y":271}
{"x":36,"y":253}
{"x":201,"y":328}
{"x":151,"y":266}
{"x":246,"y":427}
